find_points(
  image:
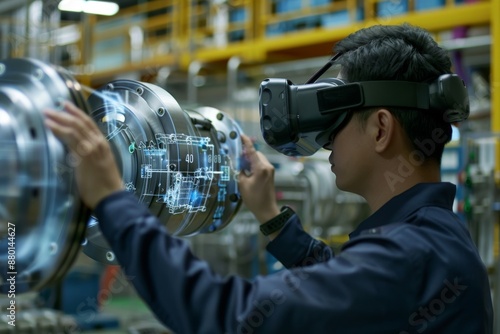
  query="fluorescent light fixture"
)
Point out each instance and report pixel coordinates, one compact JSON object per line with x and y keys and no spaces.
{"x":89,"y":7}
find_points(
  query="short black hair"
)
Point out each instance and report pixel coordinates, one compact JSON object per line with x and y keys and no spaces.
{"x":399,"y":52}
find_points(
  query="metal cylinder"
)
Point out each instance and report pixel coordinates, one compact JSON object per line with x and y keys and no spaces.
{"x":42,"y":220}
{"x":181,"y":164}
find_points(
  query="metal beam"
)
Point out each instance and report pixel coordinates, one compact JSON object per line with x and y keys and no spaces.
{"x":433,"y":20}
{"x":495,"y":67}
{"x":9,"y":6}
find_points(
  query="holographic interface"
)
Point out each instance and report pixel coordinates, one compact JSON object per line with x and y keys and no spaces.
{"x":181,"y":164}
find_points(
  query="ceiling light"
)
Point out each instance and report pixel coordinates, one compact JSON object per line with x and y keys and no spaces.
{"x":89,"y":7}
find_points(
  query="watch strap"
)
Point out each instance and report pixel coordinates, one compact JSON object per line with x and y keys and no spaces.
{"x":277,"y":222}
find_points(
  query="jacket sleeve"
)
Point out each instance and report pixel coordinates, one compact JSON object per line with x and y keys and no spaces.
{"x":293,"y":247}
{"x":187,"y":296}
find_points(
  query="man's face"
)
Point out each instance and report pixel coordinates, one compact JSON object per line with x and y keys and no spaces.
{"x":349,"y":156}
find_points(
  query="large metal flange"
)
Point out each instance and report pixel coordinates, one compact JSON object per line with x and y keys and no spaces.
{"x":42,"y":221}
{"x":181,"y":164}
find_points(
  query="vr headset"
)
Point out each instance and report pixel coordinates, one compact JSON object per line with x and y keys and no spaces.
{"x":298,"y":120}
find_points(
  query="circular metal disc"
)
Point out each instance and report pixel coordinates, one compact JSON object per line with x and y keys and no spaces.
{"x":181,"y":164}
{"x":41,"y":217}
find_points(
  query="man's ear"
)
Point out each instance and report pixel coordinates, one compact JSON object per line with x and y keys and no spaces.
{"x":382,"y":126}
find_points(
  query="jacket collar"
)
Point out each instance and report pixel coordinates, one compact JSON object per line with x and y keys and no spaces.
{"x":399,"y":207}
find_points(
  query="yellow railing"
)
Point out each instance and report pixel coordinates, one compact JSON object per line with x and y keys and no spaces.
{"x":176,"y":33}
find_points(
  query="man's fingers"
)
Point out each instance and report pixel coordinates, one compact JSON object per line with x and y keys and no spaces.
{"x":247,"y":142}
{"x":63,"y":133}
{"x":69,"y":129}
{"x":72,"y":109}
{"x":63,"y":118}
{"x":58,"y":130}
{"x":85,"y":120}
{"x":250,"y":151}
{"x":74,"y":117}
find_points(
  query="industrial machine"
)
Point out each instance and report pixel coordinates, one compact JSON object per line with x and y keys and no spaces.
{"x":182,"y":164}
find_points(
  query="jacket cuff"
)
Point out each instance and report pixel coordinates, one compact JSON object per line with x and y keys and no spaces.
{"x":291,"y":244}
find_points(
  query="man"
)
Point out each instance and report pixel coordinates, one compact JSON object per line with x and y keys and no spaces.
{"x":411,"y":267}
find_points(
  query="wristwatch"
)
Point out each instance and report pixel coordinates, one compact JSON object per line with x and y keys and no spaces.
{"x":277,"y":222}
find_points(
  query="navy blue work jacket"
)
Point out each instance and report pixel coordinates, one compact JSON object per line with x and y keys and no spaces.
{"x":411,"y":267}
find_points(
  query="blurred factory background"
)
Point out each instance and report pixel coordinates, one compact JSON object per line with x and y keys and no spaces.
{"x":215,"y":53}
